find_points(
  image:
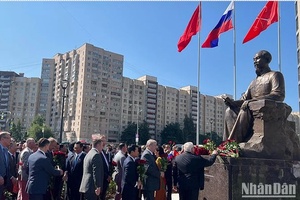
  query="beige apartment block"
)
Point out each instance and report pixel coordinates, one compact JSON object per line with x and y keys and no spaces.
{"x":25,"y":100}
{"x":6,"y":83}
{"x":92,"y":97}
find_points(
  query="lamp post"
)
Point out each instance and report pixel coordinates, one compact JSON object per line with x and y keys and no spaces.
{"x":137,"y":126}
{"x":211,"y":122}
{"x":64,"y":84}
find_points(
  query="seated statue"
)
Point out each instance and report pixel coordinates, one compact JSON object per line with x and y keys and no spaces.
{"x":268,"y":85}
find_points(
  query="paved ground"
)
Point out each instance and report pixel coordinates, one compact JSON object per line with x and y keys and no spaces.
{"x":175,"y":196}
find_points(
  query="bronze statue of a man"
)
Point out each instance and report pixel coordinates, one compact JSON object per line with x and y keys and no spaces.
{"x":267,"y":85}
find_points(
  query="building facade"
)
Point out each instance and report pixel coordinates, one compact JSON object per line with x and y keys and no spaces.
{"x":92,"y":98}
{"x":7,"y":79}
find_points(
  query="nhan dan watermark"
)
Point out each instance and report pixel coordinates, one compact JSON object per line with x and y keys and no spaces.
{"x":273,"y":190}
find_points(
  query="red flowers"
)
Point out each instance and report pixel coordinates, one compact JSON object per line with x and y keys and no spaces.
{"x":113,"y":163}
{"x":229,"y":148}
{"x":141,"y":162}
{"x":200,"y":150}
{"x":59,"y":159}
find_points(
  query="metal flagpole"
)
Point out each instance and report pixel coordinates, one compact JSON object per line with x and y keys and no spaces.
{"x":198,"y":87}
{"x":279,"y":41}
{"x":234,"y":54}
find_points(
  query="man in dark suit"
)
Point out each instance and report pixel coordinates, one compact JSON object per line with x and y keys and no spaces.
{"x":92,"y":179}
{"x":188,"y":171}
{"x":106,"y":169}
{"x":152,"y":172}
{"x":74,"y":172}
{"x":129,"y":181}
{"x":12,"y":183}
{"x":40,"y":171}
{"x":5,"y":140}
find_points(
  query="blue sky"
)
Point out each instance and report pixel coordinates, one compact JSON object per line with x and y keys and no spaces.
{"x":146,"y":33}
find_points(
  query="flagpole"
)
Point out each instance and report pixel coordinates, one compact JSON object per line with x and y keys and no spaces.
{"x":279,"y":41}
{"x":234,"y":54}
{"x":198,"y":80}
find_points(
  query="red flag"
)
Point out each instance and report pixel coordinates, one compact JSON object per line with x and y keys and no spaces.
{"x":192,"y":28}
{"x":267,"y":16}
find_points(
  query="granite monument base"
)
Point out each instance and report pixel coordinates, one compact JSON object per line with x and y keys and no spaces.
{"x":251,"y":178}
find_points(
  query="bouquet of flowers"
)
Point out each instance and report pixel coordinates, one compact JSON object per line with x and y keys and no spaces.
{"x":141,"y":172}
{"x":141,"y":169}
{"x":209,"y":145}
{"x":112,"y":167}
{"x":163,"y":163}
{"x":200,"y":150}
{"x":229,"y":148}
{"x":59,"y":159}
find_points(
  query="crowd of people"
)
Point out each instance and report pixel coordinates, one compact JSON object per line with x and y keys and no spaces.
{"x":37,"y":170}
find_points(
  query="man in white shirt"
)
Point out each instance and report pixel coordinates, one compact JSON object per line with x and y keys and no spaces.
{"x":23,"y":168}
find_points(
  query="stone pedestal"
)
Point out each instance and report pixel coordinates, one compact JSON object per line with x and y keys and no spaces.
{"x":273,"y":136}
{"x":243,"y":178}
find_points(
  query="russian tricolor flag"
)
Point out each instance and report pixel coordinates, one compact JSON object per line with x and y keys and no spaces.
{"x":225,"y":24}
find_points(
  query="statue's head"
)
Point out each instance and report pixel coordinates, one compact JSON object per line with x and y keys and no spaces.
{"x":261,"y":61}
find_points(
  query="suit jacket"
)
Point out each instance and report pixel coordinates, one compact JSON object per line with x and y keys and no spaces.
{"x":75,"y":171}
{"x":49,"y":155}
{"x":119,"y":159}
{"x":12,"y":171}
{"x":152,"y":172}
{"x":105,"y":166}
{"x":188,"y":170}
{"x":92,"y":172}
{"x":3,"y":166}
{"x":40,"y":171}
{"x":129,"y":179}
{"x":23,"y":163}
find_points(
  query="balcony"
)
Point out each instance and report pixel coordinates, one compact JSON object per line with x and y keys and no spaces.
{"x":150,"y":116}
{"x":151,"y":111}
{"x":151,"y":90}
{"x":151,"y":95}
{"x":152,"y":85}
{"x":150,"y":121}
{"x":151,"y":106}
{"x":151,"y":101}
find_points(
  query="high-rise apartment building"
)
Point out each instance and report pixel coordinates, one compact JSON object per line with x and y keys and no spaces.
{"x":92,"y":97}
{"x":6,"y":81}
{"x":25,"y":100}
{"x":158,"y":105}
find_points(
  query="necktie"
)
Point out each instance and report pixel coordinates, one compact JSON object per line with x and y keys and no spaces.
{"x":76,"y":159}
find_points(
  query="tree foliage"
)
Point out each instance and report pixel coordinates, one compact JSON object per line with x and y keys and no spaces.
{"x":129,"y":133}
{"x":189,"y":130}
{"x":36,"y":129}
{"x":172,"y":132}
{"x":16,"y":131}
{"x":143,"y":133}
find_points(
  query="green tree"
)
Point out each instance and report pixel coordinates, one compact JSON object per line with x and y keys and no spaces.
{"x":38,"y":129}
{"x":16,"y":131}
{"x":143,"y":133}
{"x":189,"y":130}
{"x":128,"y":135}
{"x":172,"y":132}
